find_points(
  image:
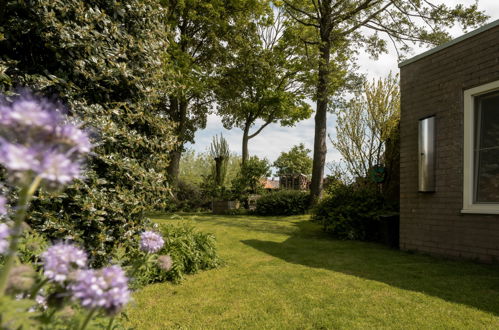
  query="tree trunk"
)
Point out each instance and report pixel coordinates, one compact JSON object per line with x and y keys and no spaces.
{"x":320,"y":148}
{"x":218,"y":171}
{"x":173,"y":167}
{"x":178,"y":107}
{"x":245,"y":152}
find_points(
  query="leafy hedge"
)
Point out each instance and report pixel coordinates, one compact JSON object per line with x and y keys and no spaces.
{"x":106,"y":61}
{"x":190,"y":250}
{"x":351,"y":212}
{"x":284,"y":202}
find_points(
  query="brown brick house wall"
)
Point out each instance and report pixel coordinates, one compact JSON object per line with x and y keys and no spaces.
{"x":433,"y":85}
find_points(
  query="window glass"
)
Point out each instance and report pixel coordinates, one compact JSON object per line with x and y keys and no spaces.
{"x":487,"y":148}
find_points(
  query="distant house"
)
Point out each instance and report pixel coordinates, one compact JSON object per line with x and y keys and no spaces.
{"x":271,"y":184}
{"x":294,"y":182}
{"x":449,"y":152}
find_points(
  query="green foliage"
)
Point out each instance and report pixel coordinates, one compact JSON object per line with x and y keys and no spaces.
{"x":106,"y":61}
{"x":285,"y":202}
{"x":367,"y":123}
{"x":295,"y":161}
{"x":23,"y":314}
{"x":31,"y":247}
{"x":219,"y":151}
{"x":352,"y":211}
{"x":194,"y":169}
{"x":190,"y":250}
{"x":260,"y":80}
{"x":190,"y":198}
{"x":197,"y":46}
{"x":249,"y":179}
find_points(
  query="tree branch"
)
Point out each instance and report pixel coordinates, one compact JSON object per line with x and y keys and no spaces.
{"x":259,"y":130}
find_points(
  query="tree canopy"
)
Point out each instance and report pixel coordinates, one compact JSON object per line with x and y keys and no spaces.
{"x":260,"y":80}
{"x":332,"y":28}
{"x":197,"y":45}
{"x":295,"y":161}
{"x":366,"y":123}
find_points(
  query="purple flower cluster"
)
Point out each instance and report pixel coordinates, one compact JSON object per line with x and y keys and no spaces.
{"x":106,"y":288}
{"x":4,"y":238}
{"x":35,"y":138}
{"x":60,"y":260}
{"x":151,"y":242}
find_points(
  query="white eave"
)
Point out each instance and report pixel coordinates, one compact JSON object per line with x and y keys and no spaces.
{"x":450,"y":43}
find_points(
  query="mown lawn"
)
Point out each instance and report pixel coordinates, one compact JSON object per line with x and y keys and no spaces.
{"x":284,"y":273}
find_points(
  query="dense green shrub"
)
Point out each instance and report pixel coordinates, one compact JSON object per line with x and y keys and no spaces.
{"x":190,"y":250}
{"x":351,"y":211}
{"x":284,"y":202}
{"x":106,"y":61}
{"x":190,"y":197}
{"x":249,"y":179}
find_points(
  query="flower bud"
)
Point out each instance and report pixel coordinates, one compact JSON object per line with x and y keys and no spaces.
{"x":21,"y":278}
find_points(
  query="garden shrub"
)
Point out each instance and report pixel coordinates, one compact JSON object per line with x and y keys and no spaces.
{"x":190,"y":197}
{"x":190,"y":250}
{"x":284,"y":202}
{"x":351,"y":211}
{"x":106,"y":62}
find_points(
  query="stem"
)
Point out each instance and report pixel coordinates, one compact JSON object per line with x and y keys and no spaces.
{"x":49,"y":317}
{"x":37,"y":288}
{"x":110,"y":324}
{"x":88,"y":318}
{"x":22,"y":207}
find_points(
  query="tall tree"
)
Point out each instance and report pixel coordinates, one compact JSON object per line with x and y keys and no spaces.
{"x":329,"y":25}
{"x":260,"y":80}
{"x":200,"y":30}
{"x":366,"y":123}
{"x":295,"y":161}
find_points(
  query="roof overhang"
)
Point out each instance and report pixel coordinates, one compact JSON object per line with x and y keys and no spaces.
{"x":450,"y":43}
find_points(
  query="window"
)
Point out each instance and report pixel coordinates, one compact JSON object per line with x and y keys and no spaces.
{"x":481,"y":149}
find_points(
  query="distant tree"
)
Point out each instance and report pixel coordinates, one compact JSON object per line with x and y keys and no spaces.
{"x":366,"y":123}
{"x":219,"y":151}
{"x":200,"y":31}
{"x":296,"y":160}
{"x":332,"y":28}
{"x":260,"y":80}
{"x":249,"y":179}
{"x":196,"y":167}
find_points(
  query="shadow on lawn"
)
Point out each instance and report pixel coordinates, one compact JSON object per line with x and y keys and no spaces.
{"x":460,"y":282}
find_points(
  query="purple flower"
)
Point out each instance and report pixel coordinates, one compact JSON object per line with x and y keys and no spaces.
{"x":151,"y":242}
{"x":36,"y":139}
{"x":4,"y":238}
{"x":59,"y":168}
{"x":61,"y":259}
{"x":75,"y":137}
{"x":16,"y":157}
{"x":106,"y":288}
{"x":29,"y":112}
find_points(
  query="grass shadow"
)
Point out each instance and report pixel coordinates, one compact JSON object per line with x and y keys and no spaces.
{"x":468,"y":283}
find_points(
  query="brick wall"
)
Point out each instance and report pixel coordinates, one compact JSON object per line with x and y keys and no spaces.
{"x":433,"y":85}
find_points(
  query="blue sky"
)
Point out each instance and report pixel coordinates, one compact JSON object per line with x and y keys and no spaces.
{"x":275,"y":139}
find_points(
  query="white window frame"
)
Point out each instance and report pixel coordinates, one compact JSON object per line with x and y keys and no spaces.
{"x":468,"y":161}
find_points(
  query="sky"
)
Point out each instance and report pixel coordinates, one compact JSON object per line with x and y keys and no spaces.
{"x":275,"y":139}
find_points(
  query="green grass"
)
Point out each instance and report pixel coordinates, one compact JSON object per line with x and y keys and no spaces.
{"x":284,"y":273}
